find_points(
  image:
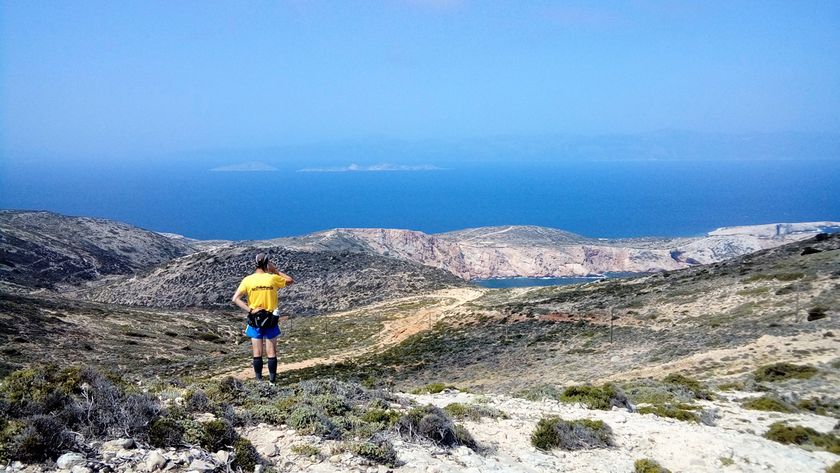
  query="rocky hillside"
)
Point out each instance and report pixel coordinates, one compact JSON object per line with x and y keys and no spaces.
{"x":731,"y":366}
{"x":48,"y":250}
{"x":708,"y":320}
{"x":327,"y":280}
{"x":493,"y":252}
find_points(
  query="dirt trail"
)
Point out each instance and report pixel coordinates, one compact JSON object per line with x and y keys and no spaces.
{"x":393,"y":332}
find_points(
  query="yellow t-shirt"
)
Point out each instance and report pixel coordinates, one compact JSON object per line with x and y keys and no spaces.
{"x":261,"y":289}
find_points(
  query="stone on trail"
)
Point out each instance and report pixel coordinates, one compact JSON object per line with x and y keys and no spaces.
{"x":155,"y":461}
{"x":69,"y":460}
{"x":201,"y":466}
{"x":118,"y":444}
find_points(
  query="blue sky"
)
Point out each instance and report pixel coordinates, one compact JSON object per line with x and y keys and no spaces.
{"x":97,"y":78}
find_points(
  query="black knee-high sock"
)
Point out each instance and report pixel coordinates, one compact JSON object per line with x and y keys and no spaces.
{"x":258,"y":367}
{"x":272,"y":369}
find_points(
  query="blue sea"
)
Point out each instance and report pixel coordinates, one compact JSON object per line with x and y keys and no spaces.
{"x":594,"y":198}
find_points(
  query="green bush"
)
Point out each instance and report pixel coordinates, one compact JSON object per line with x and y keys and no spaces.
{"x":286,"y":405}
{"x":473,"y":412}
{"x":783,"y":371}
{"x":464,"y":437}
{"x":387,"y":417}
{"x":430,"y":423}
{"x":803,"y":436}
{"x":305,"y":450}
{"x":835,"y":468}
{"x":39,"y":383}
{"x":649,"y":466}
{"x":267,"y":413}
{"x":553,"y":432}
{"x":303,"y":419}
{"x":677,"y":412}
{"x":218,"y":435}
{"x":165,"y":432}
{"x":595,"y":397}
{"x":767,"y":403}
{"x":245,"y":456}
{"x":82,"y":400}
{"x":731,"y":386}
{"x":700,"y":390}
{"x":331,"y":404}
{"x":35,"y":439}
{"x":654,"y":392}
{"x":229,"y":389}
{"x":820,"y":407}
{"x":378,"y":450}
{"x":196,"y":401}
{"x":8,"y":431}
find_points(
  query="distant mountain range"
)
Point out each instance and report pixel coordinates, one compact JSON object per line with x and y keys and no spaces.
{"x":338,"y":269}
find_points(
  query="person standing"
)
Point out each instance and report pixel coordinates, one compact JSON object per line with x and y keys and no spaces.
{"x":261,"y":290}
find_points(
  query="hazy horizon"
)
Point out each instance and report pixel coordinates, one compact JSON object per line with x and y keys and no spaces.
{"x":105,"y":80}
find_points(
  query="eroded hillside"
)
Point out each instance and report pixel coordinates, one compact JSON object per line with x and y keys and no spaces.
{"x":49,"y":250}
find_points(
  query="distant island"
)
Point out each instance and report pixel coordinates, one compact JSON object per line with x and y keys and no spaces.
{"x":250,"y":166}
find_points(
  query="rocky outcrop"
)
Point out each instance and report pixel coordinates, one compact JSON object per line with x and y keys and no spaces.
{"x":48,"y":250}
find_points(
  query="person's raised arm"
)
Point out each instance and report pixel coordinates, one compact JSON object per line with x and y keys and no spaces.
{"x":273,"y":269}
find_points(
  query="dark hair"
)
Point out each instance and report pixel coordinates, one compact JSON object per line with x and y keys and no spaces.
{"x":262,"y":261}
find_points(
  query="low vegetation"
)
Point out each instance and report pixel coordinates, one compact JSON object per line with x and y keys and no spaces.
{"x":681,"y":412}
{"x":647,"y":465}
{"x":602,"y":397}
{"x":432,"y":424}
{"x":432,"y":388}
{"x":817,"y":313}
{"x":823,"y":407}
{"x":675,"y":388}
{"x":539,"y":392}
{"x":784,"y":277}
{"x":305,"y":450}
{"x":554,"y":432}
{"x":731,"y":386}
{"x":783,"y":371}
{"x":47,"y":411}
{"x":697,"y":389}
{"x":378,"y":450}
{"x":804,"y":437}
{"x":768,"y":403}
{"x":595,"y":397}
{"x":473,"y":412}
